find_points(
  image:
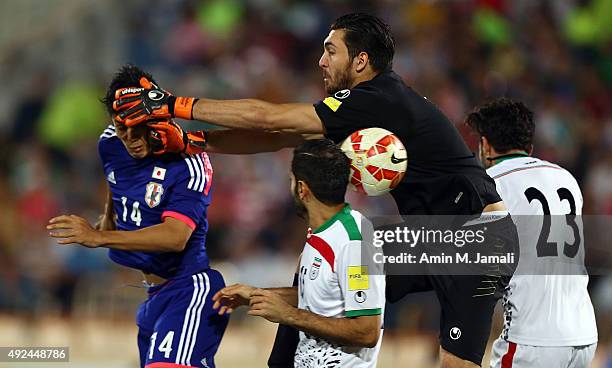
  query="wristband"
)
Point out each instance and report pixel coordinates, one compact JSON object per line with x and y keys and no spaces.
{"x":182,"y":107}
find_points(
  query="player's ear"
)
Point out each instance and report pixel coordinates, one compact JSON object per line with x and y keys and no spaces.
{"x":485,"y":146}
{"x":303,"y":190}
{"x":360,"y":62}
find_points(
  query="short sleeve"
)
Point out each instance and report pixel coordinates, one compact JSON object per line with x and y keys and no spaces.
{"x":104,"y":141}
{"x":191,"y":193}
{"x":363,"y":293}
{"x":350,"y":110}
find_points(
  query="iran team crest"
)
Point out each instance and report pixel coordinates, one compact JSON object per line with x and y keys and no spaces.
{"x":154,"y":194}
{"x":314,"y":268}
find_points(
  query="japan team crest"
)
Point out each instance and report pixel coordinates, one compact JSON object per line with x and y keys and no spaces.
{"x":314,"y":268}
{"x":154,"y":194}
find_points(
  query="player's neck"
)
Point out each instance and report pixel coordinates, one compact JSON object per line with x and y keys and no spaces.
{"x":497,"y":157}
{"x":363,"y":77}
{"x":320,"y":213}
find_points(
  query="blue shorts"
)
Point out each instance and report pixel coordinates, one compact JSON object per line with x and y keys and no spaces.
{"x":177,"y":326}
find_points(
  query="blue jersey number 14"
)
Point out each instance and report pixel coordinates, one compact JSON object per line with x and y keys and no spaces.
{"x":135,"y":215}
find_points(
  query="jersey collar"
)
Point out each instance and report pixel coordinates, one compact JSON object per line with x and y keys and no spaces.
{"x":345,"y":210}
{"x":502,"y":158}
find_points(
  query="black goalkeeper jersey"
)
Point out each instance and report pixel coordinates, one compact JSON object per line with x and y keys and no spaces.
{"x":443,"y":176}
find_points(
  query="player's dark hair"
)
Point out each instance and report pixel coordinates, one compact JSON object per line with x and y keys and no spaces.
{"x":324,"y":167}
{"x":507,"y":124}
{"x":370,"y":34}
{"x":128,"y":76}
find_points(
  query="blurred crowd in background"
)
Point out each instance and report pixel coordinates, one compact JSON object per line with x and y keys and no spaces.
{"x":56,"y":59}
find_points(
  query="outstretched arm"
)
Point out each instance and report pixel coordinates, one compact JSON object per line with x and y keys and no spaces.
{"x":361,"y":331}
{"x":149,"y":102}
{"x":243,"y":141}
{"x":259,"y":115}
{"x":234,"y":296}
{"x":170,"y":137}
{"x":169,"y":236}
{"x":231,"y":297}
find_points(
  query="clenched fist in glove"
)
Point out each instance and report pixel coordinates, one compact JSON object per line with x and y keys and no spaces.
{"x":166,"y":136}
{"x":136,"y":105}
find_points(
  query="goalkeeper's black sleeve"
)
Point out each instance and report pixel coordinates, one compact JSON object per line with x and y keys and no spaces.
{"x":285,"y":343}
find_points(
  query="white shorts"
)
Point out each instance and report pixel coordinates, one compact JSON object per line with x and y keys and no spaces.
{"x":510,"y":355}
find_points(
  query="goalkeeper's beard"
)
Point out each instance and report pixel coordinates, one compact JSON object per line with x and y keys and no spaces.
{"x":342,"y":81}
{"x":300,"y":208}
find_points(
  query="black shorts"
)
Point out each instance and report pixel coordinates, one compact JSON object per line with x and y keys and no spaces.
{"x":467,"y":302}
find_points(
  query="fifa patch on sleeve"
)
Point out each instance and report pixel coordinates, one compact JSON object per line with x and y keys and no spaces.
{"x":332,"y":103}
{"x":358,"y":278}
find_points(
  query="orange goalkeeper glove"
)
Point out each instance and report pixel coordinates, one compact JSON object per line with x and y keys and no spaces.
{"x":166,"y":136}
{"x":135,"y":105}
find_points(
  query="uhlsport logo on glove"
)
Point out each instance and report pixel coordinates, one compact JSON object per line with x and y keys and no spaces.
{"x":126,"y":91}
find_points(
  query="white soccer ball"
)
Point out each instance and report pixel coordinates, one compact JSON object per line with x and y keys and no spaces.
{"x":378,"y":160}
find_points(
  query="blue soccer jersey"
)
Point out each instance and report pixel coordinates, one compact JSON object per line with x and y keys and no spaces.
{"x":147,"y":190}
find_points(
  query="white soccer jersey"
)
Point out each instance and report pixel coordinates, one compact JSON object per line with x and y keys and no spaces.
{"x":552,"y":309}
{"x":333,"y":283}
